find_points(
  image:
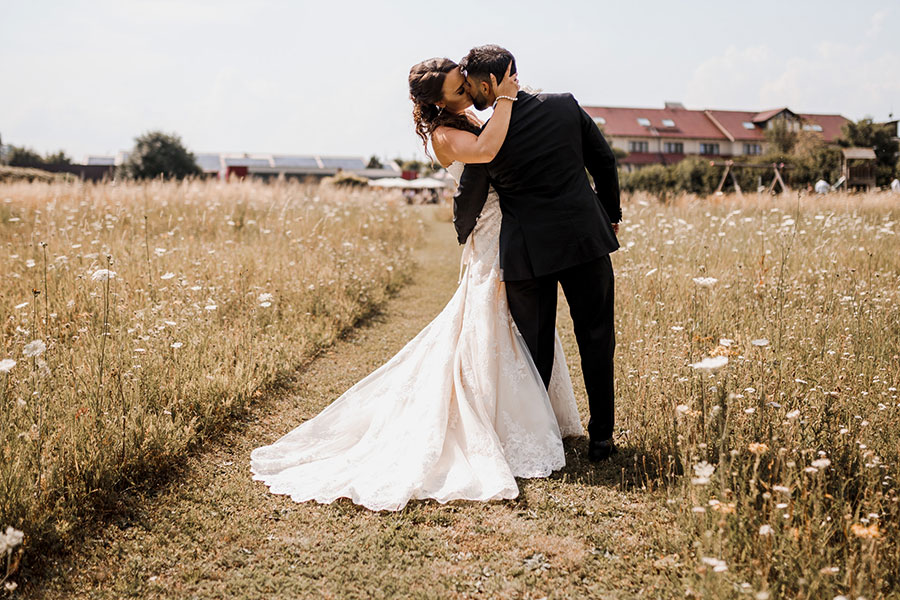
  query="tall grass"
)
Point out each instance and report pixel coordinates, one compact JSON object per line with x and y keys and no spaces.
{"x":781,"y":465}
{"x":143,"y":316}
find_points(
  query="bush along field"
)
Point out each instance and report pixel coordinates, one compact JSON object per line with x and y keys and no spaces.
{"x":137,"y":319}
{"x":758,"y":374}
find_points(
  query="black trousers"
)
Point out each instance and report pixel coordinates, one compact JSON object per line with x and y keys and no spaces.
{"x":589,"y":290}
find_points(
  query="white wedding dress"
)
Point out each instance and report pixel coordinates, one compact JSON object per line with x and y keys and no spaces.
{"x":458,"y":413}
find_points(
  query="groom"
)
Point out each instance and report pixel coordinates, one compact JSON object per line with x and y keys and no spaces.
{"x":555,"y":228}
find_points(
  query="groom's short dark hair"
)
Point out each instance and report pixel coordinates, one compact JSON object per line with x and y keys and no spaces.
{"x":480,"y":62}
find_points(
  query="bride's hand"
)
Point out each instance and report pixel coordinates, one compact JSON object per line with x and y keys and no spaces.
{"x":510,"y":84}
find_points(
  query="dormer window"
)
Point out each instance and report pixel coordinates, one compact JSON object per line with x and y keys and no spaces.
{"x":643,"y":122}
{"x":748,"y":125}
{"x":600,"y":121}
{"x":668,"y":123}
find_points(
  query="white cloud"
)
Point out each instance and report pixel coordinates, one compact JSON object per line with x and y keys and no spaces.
{"x":854,"y":78}
{"x":724,"y":81}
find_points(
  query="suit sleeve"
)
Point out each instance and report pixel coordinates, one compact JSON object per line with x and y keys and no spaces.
{"x":469,"y":199}
{"x":601,"y":164}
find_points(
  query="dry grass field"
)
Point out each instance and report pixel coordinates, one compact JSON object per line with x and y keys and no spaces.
{"x":139,"y":318}
{"x":758,"y":362}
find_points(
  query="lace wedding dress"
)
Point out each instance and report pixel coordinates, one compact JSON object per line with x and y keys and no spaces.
{"x":458,"y":413}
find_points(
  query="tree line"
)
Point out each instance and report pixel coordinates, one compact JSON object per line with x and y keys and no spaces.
{"x":805,"y":156}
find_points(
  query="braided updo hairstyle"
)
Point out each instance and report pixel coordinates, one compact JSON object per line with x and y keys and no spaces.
{"x":426,"y":82}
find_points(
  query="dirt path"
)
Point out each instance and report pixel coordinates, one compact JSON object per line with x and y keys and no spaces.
{"x":216,"y":533}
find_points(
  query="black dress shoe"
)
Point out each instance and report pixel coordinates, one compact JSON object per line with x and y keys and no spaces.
{"x":601,"y":450}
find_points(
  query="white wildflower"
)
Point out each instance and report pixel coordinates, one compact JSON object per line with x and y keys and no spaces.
{"x":210,"y":307}
{"x":167,"y":275}
{"x":177,"y":345}
{"x":265,"y":297}
{"x":705,"y":281}
{"x":793,"y":414}
{"x":103,"y":275}
{"x":711,"y":363}
{"x":717,"y":564}
{"x":23,"y":305}
{"x":265,"y":304}
{"x":821,"y":463}
{"x":6,"y":364}
{"x":34,"y":348}
{"x":29,"y":263}
{"x":703,"y":472}
{"x":761,"y":342}
{"x":725,"y":342}
{"x":765,"y":530}
{"x":682,"y":409}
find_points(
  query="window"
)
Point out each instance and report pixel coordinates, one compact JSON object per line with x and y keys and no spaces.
{"x":643,"y":121}
{"x":673,"y":148}
{"x":709,"y":148}
{"x":748,"y":125}
{"x":812,"y":127}
{"x":668,"y":122}
{"x":752,"y":149}
{"x":600,"y":121}
{"x":639,"y":146}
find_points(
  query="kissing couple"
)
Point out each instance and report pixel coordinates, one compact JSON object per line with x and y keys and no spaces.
{"x":482,"y":395}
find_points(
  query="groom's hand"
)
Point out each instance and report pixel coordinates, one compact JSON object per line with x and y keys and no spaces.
{"x":616,"y":228}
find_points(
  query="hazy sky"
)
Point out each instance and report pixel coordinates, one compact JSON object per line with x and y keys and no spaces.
{"x":330,"y":77}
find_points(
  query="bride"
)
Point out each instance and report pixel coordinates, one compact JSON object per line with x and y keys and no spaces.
{"x":461,"y":410}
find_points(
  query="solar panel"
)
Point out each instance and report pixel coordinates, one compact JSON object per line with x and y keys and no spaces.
{"x":296,"y":161}
{"x":208,"y":162}
{"x":668,"y":122}
{"x":247,"y":162}
{"x":643,"y":121}
{"x":343,"y":163}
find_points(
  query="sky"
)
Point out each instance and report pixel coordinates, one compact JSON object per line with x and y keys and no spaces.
{"x":330,"y":77}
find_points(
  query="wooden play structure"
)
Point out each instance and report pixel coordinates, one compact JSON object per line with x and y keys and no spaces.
{"x":858,"y":168}
{"x":730,"y":165}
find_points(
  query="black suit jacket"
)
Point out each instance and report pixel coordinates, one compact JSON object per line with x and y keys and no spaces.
{"x":552,"y":219}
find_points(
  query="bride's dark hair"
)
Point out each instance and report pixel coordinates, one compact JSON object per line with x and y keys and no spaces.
{"x":426,"y":82}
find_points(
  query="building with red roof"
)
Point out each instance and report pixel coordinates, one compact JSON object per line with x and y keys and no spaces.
{"x":667,"y":135}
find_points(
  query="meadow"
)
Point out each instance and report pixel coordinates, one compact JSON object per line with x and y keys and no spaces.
{"x":757,"y":367}
{"x":138,"y":319}
{"x":758,"y":357}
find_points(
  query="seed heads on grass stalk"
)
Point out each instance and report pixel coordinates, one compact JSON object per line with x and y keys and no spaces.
{"x":104,"y":275}
{"x":46,"y":294}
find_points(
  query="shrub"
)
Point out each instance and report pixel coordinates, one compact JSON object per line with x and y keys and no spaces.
{"x":157,"y":154}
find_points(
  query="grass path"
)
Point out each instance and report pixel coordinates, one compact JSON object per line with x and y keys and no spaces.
{"x":215,"y":533}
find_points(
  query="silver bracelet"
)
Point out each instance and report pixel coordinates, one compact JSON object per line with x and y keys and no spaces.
{"x":499,"y":98}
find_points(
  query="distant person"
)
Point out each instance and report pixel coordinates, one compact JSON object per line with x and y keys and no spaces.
{"x":461,"y":411}
{"x":822,"y":187}
{"x":895,"y":186}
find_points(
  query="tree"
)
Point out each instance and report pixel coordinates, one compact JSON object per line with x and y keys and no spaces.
{"x":57,"y":158}
{"x":865,"y":133}
{"x":374,"y":163}
{"x":814,"y":159}
{"x":781,"y":137}
{"x":158,"y":154}
{"x":19,"y":156}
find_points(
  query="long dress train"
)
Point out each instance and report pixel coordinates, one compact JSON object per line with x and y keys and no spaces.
{"x":458,"y":413}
